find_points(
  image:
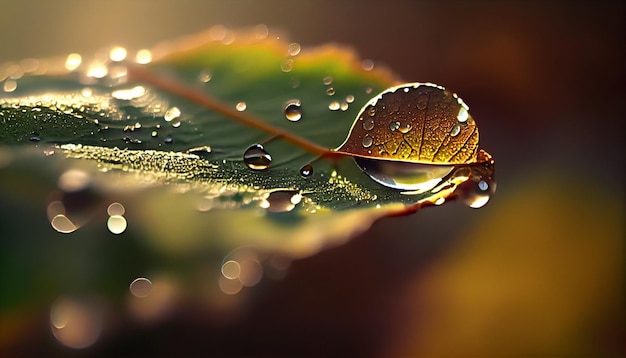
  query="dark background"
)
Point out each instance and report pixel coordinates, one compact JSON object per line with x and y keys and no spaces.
{"x":537,"y":272}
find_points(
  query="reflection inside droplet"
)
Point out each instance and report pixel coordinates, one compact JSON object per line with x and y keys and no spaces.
{"x":368,"y":124}
{"x":306,"y":170}
{"x":404,"y":175}
{"x":293,"y":110}
{"x":257,"y":158}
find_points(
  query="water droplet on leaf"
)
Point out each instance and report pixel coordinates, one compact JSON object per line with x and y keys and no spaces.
{"x":367,"y":141}
{"x":171,"y":114}
{"x":404,"y":175}
{"x":241,"y":106}
{"x":257,"y":158}
{"x":368,"y":124}
{"x":307,"y":170}
{"x":456,"y":129}
{"x":334,"y":106}
{"x":293,"y":110}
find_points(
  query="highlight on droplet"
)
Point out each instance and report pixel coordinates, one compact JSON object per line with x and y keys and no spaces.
{"x":75,"y":323}
{"x":140,"y":287}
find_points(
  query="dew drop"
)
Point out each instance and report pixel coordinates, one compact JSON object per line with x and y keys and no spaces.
{"x":404,"y":175}
{"x":368,"y":124}
{"x":205,"y":76}
{"x":294,"y":49}
{"x":34,"y":138}
{"x":349,"y":98}
{"x":168,"y":139}
{"x":334,"y":106}
{"x":371,"y":111}
{"x":394,"y":126}
{"x":241,"y":106}
{"x":404,"y":127}
{"x":293,"y":110}
{"x":330,"y":91}
{"x":257,"y":158}
{"x":367,"y":141}
{"x":463,"y":115}
{"x":367,"y":64}
{"x":286,"y":65}
{"x":328,"y":80}
{"x":171,"y":114}
{"x":176,"y":124}
{"x":306,"y":171}
{"x":154,"y":133}
{"x":10,"y":86}
{"x":456,"y":129}
{"x":368,"y":90}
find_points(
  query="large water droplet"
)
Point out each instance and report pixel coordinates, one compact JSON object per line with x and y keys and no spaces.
{"x":306,"y":171}
{"x":404,"y":175}
{"x":368,"y":124}
{"x":456,"y":129}
{"x":257,"y":158}
{"x":294,"y":49}
{"x":293,"y":110}
{"x":367,"y":141}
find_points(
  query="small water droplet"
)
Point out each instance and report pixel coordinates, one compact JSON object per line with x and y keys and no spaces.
{"x":293,"y":110}
{"x":172,"y":113}
{"x":334,"y":106}
{"x":241,"y":106}
{"x":349,"y":98}
{"x":34,"y":138}
{"x":294,"y":49}
{"x":307,"y":170}
{"x":286,"y":65}
{"x":154,"y":133}
{"x":257,"y":158}
{"x":371,"y":111}
{"x":328,"y":80}
{"x":393,"y":126}
{"x":367,"y":141}
{"x":116,"y":224}
{"x":168,"y":139}
{"x":205,"y":76}
{"x":176,"y":124}
{"x":368,"y":90}
{"x":368,"y":124}
{"x":405,"y":127}
{"x":48,"y":152}
{"x":367,"y":64}
{"x":456,"y":129}
{"x":330,"y":91}
{"x":463,"y":115}
{"x":406,"y":89}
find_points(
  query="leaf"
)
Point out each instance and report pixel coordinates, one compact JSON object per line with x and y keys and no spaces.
{"x":231,"y":139}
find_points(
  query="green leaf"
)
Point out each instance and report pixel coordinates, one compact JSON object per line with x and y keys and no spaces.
{"x":167,"y":140}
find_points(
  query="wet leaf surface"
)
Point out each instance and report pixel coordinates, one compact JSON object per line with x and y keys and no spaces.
{"x":225,"y":147}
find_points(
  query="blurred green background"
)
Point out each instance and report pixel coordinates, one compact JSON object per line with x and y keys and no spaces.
{"x":539,"y":271}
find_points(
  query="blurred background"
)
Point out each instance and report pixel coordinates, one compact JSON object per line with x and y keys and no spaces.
{"x":539,"y":271}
